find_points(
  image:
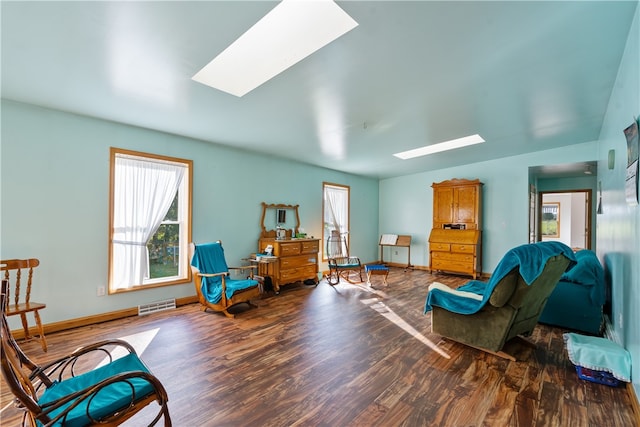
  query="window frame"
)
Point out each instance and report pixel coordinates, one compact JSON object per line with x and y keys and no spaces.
{"x":348,"y":207}
{"x":185,"y":201}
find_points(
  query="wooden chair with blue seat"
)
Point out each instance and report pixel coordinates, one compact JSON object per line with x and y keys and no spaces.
{"x":64,"y":393}
{"x":486,"y":315}
{"x":215,"y":288}
{"x":341,"y":264}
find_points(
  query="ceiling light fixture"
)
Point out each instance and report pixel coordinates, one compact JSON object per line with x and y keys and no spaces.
{"x":293,"y":30}
{"x":443,"y":146}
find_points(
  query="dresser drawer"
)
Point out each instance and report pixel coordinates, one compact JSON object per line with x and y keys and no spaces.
{"x":310,"y":247}
{"x":469,"y":249}
{"x":448,"y":265}
{"x":448,"y":256}
{"x":299,"y":273}
{"x":288,"y":249}
{"x":446,"y":247}
{"x":297,"y":261}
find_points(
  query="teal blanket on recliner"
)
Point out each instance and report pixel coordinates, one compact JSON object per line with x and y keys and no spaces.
{"x":209,"y":258}
{"x":530,"y":259}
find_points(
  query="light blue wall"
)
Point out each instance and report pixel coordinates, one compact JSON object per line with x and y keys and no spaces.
{"x":406,"y":203}
{"x":618,"y":230}
{"x":54,"y":202}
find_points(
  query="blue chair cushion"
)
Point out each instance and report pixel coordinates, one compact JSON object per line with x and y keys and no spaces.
{"x":212,"y":289}
{"x":374,"y":267}
{"x":110,"y":399}
{"x":348,"y":265}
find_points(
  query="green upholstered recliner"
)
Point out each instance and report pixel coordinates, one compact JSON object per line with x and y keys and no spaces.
{"x":507,"y":306}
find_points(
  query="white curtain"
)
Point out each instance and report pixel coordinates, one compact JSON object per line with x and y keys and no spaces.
{"x":143,"y":192}
{"x":336,"y":212}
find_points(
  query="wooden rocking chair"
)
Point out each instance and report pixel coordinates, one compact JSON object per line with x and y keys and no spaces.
{"x":60,"y":394}
{"x":215,"y":289}
{"x":341,"y":264}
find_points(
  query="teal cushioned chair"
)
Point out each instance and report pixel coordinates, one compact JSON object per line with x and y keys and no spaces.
{"x":215,"y":288}
{"x":57,"y":394}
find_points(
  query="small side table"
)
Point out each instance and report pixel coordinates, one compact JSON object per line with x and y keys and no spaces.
{"x":377,"y":270}
{"x":265,"y":268}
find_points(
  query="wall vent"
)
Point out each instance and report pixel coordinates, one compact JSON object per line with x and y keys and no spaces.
{"x":154,"y":307}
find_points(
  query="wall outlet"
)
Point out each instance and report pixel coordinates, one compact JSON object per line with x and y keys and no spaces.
{"x":101,"y":291}
{"x":396,"y":252}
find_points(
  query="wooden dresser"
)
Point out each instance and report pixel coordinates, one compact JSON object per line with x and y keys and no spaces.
{"x":297,"y":260}
{"x":455,"y":242}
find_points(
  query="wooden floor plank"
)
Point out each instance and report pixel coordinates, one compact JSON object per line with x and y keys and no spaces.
{"x":347,"y":355}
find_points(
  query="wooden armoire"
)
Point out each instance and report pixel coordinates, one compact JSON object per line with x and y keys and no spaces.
{"x":455,"y":241}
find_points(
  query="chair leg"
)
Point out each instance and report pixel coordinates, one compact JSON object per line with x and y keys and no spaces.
{"x":333,"y":278}
{"x":229,"y":315}
{"x":43,"y":340}
{"x":25,"y":326}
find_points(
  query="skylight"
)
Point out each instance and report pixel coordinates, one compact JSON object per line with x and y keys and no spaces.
{"x":293,"y":30}
{"x":442,"y":146}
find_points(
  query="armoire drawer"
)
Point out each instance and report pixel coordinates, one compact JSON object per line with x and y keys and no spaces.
{"x":448,"y":256}
{"x":444,"y":247}
{"x":469,"y":249}
{"x":448,"y":265}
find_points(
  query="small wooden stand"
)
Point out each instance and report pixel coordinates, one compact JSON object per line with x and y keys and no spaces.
{"x":403,"y":241}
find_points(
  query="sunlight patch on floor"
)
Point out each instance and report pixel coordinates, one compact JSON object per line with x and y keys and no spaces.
{"x":389,"y":314}
{"x":139,"y":341}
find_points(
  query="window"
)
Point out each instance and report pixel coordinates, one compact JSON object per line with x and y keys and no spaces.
{"x":550,"y":219}
{"x":149,"y":220}
{"x":335,"y":216}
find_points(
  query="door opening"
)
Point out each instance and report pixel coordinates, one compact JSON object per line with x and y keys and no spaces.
{"x":565,"y":217}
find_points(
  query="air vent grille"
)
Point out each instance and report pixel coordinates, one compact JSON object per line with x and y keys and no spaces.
{"x":154,"y":307}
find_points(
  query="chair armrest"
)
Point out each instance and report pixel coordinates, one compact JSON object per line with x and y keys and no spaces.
{"x":66,"y":364}
{"x":448,"y":290}
{"x":244,"y":267}
{"x":211,"y":274}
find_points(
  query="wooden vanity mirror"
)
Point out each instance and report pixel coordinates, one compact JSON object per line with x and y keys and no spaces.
{"x":278,"y":214}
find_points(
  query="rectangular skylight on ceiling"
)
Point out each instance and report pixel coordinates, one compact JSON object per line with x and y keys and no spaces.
{"x":293,"y":30}
{"x":442,"y":146}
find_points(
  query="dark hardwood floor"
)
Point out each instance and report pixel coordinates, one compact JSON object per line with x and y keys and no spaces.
{"x":346,"y":355}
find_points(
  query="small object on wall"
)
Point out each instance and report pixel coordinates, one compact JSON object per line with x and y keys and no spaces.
{"x":612,"y":159}
{"x":631,"y":179}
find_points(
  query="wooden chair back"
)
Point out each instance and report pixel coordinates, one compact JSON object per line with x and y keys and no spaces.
{"x":20,"y":303}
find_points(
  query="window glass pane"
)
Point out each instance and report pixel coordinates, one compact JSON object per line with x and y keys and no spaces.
{"x":164,"y":246}
{"x":164,"y":252}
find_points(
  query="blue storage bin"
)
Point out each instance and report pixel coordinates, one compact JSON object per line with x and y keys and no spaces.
{"x":600,"y":377}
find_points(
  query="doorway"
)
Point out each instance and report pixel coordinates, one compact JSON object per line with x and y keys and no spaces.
{"x":565,"y":217}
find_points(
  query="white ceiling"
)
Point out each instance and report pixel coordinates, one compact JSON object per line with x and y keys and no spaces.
{"x":526,"y":76}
